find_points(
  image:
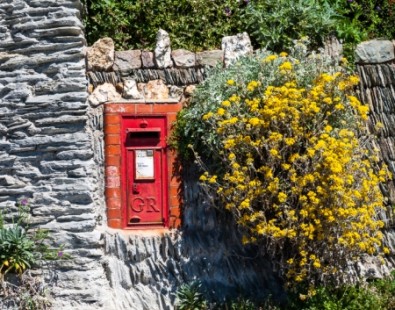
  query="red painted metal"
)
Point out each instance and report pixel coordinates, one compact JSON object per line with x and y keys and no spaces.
{"x":144,"y":171}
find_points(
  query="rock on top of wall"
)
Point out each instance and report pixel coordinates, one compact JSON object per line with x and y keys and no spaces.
{"x":156,"y":90}
{"x":333,"y":48}
{"x":147,"y":59}
{"x":130,"y":90}
{"x":374,"y":51}
{"x":100,"y":56}
{"x":103,"y":93}
{"x":183,"y":58}
{"x":126,"y":61}
{"x":163,"y":50}
{"x":209,"y":58}
{"x":236,"y":46}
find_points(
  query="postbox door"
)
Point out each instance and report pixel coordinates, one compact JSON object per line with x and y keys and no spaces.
{"x":145,"y":186}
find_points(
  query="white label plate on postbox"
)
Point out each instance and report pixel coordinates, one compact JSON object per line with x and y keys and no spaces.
{"x":144,"y":164}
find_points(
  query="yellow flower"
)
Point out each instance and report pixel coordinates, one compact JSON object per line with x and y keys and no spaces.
{"x":354,"y":80}
{"x":226,"y":103}
{"x":282,"y":197}
{"x":270,"y":58}
{"x":274,"y":152}
{"x":286,"y":66}
{"x":234,"y":98}
{"x":254,"y":121}
{"x":286,"y":166}
{"x":289,"y":141}
{"x":317,"y":264}
{"x":328,"y":128}
{"x":220,"y":111}
{"x":230,"y":82}
{"x":207,"y":116}
{"x":203,"y":178}
{"x":283,"y":54}
{"x":344,"y":60}
{"x":252,"y":85}
{"x":213,"y":179}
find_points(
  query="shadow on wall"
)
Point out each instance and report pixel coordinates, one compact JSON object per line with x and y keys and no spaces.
{"x":145,"y":271}
{"x":217,"y":258}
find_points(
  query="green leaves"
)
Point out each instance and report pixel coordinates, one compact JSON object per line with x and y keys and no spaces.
{"x":274,"y":24}
{"x":193,"y":25}
{"x":190,"y":297}
{"x":22,"y":247}
{"x":199,"y":25}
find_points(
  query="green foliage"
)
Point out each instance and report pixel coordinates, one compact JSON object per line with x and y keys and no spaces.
{"x":275,"y":24}
{"x":194,"y":25}
{"x":378,"y":294}
{"x":190,"y":297}
{"x":17,"y":250}
{"x":197,"y":25}
{"x":22,"y":248}
{"x":345,"y":298}
{"x":190,"y":128}
{"x":281,"y":153}
{"x":357,"y":20}
{"x":242,"y":304}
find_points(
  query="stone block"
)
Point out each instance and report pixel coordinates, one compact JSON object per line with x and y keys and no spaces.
{"x":100,"y":56}
{"x":235,"y":47}
{"x":175,"y":92}
{"x":163,"y":50}
{"x":10,"y":182}
{"x":183,"y":58}
{"x":156,"y":90}
{"x":126,"y":61}
{"x":188,"y":91}
{"x":374,"y":51}
{"x":147,"y":59}
{"x":130,"y":90}
{"x":209,"y":58}
{"x":104,"y":93}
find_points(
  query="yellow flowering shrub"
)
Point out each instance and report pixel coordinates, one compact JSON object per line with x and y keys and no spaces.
{"x":286,"y":159}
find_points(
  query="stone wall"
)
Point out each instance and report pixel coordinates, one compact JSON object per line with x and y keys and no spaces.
{"x":52,"y":151}
{"x":162,"y":74}
{"x":46,"y":149}
{"x":375,"y":65}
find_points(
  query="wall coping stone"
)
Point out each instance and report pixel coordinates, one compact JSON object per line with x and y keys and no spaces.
{"x":148,"y":101}
{"x":374,"y":52}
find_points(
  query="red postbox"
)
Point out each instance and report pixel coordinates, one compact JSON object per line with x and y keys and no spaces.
{"x":144,"y":171}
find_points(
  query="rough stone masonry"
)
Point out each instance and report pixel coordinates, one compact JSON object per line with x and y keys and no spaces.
{"x":46,"y":149}
{"x":50,"y":139}
{"x":51,"y":152}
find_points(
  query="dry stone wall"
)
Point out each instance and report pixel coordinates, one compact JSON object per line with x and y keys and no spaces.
{"x":46,"y":151}
{"x":51,"y":151}
{"x":375,"y":65}
{"x":162,"y":74}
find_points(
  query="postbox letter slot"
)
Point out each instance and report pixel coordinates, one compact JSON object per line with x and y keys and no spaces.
{"x":143,"y":138}
{"x":135,"y":219}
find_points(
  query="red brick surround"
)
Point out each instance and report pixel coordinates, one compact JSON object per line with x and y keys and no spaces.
{"x":113,"y":113}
